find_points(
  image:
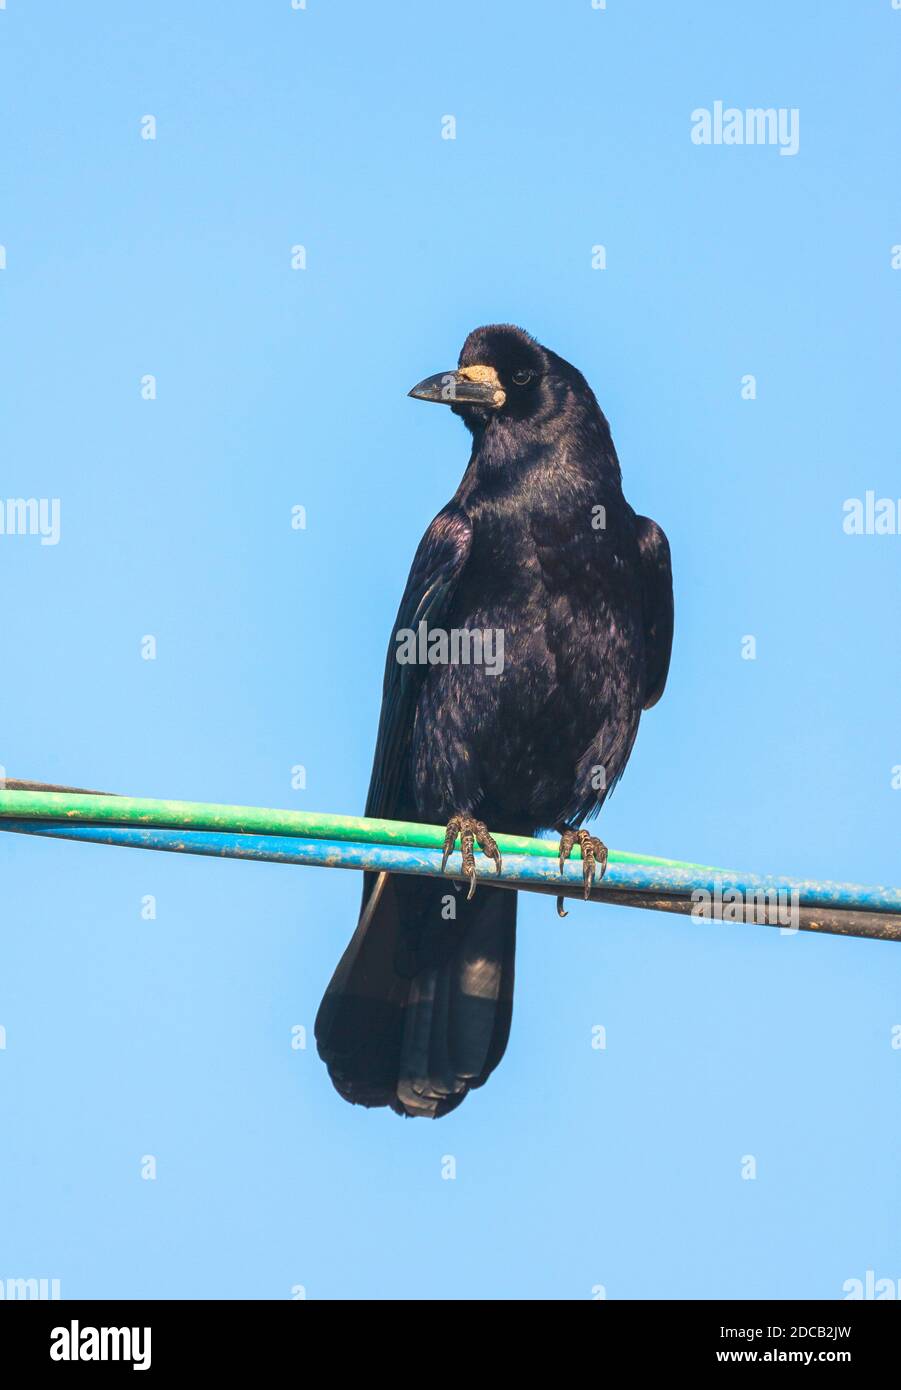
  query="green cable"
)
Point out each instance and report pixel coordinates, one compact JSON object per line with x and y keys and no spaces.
{"x":259,"y":820}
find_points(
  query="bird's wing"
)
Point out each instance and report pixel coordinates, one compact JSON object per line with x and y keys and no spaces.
{"x":437,"y":566}
{"x":657,"y":602}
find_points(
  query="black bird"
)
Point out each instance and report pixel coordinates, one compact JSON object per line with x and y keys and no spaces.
{"x":539,"y":549}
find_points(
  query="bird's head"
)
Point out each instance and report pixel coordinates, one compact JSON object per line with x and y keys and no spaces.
{"x":503,"y":374}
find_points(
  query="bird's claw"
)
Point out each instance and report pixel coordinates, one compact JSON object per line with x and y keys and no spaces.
{"x":470,"y":831}
{"x":594,"y":859}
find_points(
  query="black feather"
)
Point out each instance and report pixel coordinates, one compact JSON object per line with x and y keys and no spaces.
{"x":538,"y":545}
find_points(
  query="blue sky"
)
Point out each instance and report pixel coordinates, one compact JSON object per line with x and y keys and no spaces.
{"x":277,"y":388}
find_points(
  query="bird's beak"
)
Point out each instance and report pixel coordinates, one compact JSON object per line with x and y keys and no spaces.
{"x":465,"y":386}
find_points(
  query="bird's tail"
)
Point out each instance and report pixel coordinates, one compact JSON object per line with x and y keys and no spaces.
{"x":418,"y":1011}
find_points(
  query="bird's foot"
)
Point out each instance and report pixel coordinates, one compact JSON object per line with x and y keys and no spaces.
{"x":594,"y":857}
{"x":470,"y":830}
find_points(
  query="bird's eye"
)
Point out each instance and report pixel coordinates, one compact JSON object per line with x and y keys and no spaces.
{"x":522,"y":377}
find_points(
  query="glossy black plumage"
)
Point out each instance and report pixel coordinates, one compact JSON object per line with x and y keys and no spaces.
{"x":540,"y":544}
